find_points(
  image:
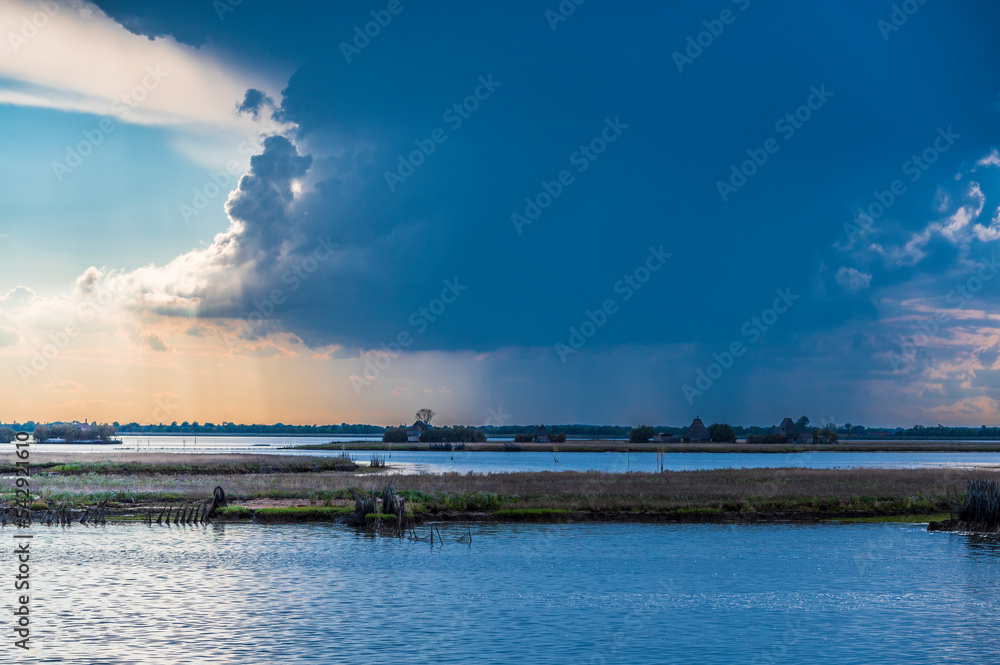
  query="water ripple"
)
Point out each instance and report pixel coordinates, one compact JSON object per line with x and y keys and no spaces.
{"x":582,"y":593}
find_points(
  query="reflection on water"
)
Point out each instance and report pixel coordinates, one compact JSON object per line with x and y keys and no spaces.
{"x":580,"y":593}
{"x":985,"y":544}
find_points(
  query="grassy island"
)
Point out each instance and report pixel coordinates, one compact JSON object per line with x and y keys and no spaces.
{"x":269,"y":488}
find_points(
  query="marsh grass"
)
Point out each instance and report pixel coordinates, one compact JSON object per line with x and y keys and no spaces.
{"x":982,"y":502}
{"x":196,"y":465}
{"x":816,"y":491}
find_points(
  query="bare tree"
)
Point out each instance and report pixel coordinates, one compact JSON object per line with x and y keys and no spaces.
{"x":426,"y":415}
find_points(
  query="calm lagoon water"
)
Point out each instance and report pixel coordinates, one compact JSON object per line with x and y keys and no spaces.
{"x":499,"y":462}
{"x":580,"y":593}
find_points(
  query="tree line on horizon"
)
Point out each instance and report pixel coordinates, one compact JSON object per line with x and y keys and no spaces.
{"x":71,"y":433}
{"x":7,"y":431}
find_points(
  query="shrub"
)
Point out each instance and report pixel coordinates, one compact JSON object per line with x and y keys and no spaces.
{"x":453,"y":435}
{"x":641,"y":434}
{"x":766,"y":438}
{"x":830,"y":435}
{"x":721,"y":433}
{"x":394,"y":435}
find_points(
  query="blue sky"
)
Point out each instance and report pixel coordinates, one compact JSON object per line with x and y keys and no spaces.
{"x":319,"y":262}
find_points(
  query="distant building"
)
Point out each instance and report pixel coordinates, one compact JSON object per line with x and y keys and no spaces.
{"x":541,"y":435}
{"x":788,"y":429}
{"x":697,"y":432}
{"x":415,"y":430}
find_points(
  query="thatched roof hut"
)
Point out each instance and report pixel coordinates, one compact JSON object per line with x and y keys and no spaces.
{"x":415,"y":430}
{"x":788,"y":429}
{"x":541,"y":435}
{"x":697,"y":432}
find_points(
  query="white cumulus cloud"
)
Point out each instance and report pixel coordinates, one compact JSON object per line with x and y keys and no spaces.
{"x":71,"y":56}
{"x":853,"y":280}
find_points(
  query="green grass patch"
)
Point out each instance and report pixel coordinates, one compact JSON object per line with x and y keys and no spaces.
{"x":462,"y":501}
{"x":416,"y":496}
{"x":234,"y":513}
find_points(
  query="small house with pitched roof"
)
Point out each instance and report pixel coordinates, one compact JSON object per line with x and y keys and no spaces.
{"x":415,"y":430}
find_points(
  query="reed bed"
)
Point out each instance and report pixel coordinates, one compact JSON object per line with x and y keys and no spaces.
{"x":894,"y":490}
{"x":982,"y":503}
{"x":205,"y":464}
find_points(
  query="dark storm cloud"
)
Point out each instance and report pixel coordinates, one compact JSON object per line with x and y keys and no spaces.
{"x":254,"y":102}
